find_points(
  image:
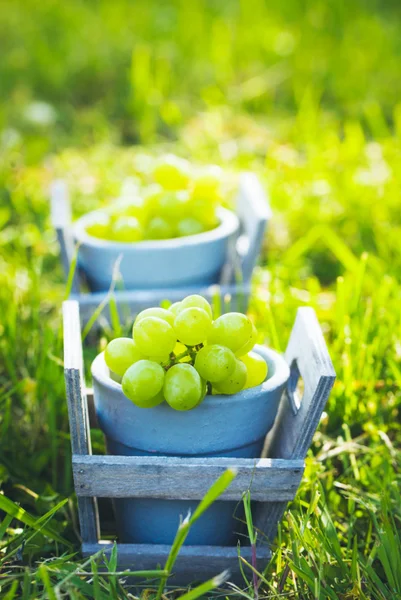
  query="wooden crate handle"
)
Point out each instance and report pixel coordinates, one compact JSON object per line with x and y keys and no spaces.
{"x":78,"y":411}
{"x":298,"y":418}
{"x":60,"y":214}
{"x":254,"y":211}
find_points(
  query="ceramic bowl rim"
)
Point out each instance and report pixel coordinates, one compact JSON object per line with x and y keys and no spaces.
{"x":229,"y":224}
{"x":279,"y":378}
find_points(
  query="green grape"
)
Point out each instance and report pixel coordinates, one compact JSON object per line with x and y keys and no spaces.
{"x":249,"y":344}
{"x":215,"y":363}
{"x":159,"y":229}
{"x":172,"y":172}
{"x":235,"y":382}
{"x":154,"y":337}
{"x":143,"y":383}
{"x":182,"y":387}
{"x":126,"y":229}
{"x":256,"y":368}
{"x":161,"y":313}
{"x":151,"y":197}
{"x":192,"y":326}
{"x":195,"y":300}
{"x":100,"y":226}
{"x":174,"y":308}
{"x":232,"y":330}
{"x":172,"y":206}
{"x":203,"y":391}
{"x":204,"y":211}
{"x":189,"y":226}
{"x":120,"y":354}
{"x":207,"y":183}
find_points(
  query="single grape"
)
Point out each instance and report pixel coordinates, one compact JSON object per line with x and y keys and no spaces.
{"x":173,"y":206}
{"x":151,"y":197}
{"x":256,"y":368}
{"x":192,"y":326}
{"x":235,"y":382}
{"x":207,"y":183}
{"x":233,"y":330}
{"x":159,"y":229}
{"x":195,"y":300}
{"x":172,"y":172}
{"x":203,"y":392}
{"x":174,"y":308}
{"x":189,"y":226}
{"x":154,"y":337}
{"x":143,"y":383}
{"x":249,"y":344}
{"x":215,"y":363}
{"x":120,"y":354}
{"x":205,"y":212}
{"x":161,"y":313}
{"x":182,"y":387}
{"x":99,"y":226}
{"x":126,"y":229}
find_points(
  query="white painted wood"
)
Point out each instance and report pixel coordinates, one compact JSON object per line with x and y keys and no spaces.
{"x":188,"y":478}
{"x":254,"y":212}
{"x":294,"y":428}
{"x":193,"y":563}
{"x":77,"y":411}
{"x":298,"y":418}
{"x":60,"y":214}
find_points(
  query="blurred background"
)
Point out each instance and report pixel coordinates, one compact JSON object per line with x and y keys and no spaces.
{"x":88,"y":71}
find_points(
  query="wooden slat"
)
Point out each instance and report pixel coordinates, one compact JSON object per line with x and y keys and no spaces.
{"x":161,"y":477}
{"x":60,"y":214}
{"x":294,"y":427}
{"x":254,"y":211}
{"x":193,"y":563}
{"x":298,"y":419}
{"x":77,"y":411}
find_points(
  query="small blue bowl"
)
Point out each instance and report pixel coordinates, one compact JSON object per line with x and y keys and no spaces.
{"x":156,"y":264}
{"x":231,"y":426}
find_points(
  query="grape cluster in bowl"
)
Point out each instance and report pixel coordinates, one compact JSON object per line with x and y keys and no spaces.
{"x":179,"y":355}
{"x":177,"y":201}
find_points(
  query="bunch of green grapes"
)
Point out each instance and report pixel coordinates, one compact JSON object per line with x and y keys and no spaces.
{"x":179,"y":355}
{"x":177,"y":201}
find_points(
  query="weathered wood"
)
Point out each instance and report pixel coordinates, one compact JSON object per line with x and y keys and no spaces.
{"x":60,"y":214}
{"x":193,"y":562}
{"x":298,"y":418}
{"x":93,"y":422}
{"x":77,"y":411}
{"x":161,"y":477}
{"x":254,"y":211}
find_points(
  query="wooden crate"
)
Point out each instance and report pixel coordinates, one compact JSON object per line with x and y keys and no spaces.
{"x":272,"y":481}
{"x":254,"y":212}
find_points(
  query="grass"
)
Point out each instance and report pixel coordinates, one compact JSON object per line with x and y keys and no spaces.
{"x":306,"y":94}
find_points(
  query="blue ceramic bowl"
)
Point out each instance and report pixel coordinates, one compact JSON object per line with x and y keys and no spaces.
{"x":179,"y":262}
{"x":233,"y":426}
